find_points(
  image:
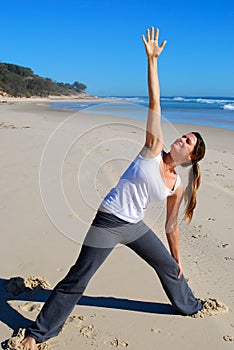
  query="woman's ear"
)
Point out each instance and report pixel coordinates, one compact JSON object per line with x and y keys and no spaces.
{"x":191,"y":157}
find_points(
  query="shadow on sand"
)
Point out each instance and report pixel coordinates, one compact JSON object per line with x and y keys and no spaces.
{"x":13,"y":319}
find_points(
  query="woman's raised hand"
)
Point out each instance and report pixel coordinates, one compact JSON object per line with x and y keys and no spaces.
{"x":151,"y":45}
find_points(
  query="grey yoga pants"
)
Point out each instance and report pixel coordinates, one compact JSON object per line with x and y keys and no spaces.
{"x":112,"y":231}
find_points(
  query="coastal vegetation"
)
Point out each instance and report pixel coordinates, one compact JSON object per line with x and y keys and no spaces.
{"x":21,"y":81}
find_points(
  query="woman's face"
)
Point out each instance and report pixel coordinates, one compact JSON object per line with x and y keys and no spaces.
{"x":183,"y":147}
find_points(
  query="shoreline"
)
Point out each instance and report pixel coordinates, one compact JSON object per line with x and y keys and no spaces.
{"x":175,"y":110}
{"x":72,"y":98}
{"x":95,"y":99}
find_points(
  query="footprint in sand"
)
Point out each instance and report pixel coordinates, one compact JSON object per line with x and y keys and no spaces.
{"x":30,"y":307}
{"x":199,"y":236}
{"x":223,"y":245}
{"x":73,"y":318}
{"x":88,"y":331}
{"x":116,"y":343}
{"x":7,"y":126}
{"x":228,"y":338}
{"x":228,"y":258}
{"x":92,"y":334}
{"x":3,"y":125}
{"x":228,"y":186}
{"x":158,"y":331}
{"x":211,"y":219}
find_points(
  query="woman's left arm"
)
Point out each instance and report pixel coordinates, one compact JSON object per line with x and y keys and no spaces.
{"x":171,"y":226}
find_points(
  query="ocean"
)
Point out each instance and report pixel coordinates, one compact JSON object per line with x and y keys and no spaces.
{"x":217,"y":112}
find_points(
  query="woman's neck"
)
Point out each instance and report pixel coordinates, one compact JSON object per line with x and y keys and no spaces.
{"x":168,"y":162}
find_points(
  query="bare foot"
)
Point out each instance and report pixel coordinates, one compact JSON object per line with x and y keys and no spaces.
{"x":29,"y":343}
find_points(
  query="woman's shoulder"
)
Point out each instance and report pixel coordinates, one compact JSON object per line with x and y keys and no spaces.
{"x":146,"y":154}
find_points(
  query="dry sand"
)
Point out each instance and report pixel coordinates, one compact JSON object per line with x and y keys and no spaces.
{"x":124,"y":305}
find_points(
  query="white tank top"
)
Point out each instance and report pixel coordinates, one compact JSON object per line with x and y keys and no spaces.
{"x":140,"y":185}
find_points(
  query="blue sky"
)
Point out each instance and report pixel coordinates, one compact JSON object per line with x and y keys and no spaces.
{"x":99,"y":43}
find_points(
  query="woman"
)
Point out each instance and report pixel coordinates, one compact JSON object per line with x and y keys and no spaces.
{"x":150,"y":177}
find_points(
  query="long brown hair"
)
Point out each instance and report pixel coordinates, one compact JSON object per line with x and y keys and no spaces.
{"x":194,"y":178}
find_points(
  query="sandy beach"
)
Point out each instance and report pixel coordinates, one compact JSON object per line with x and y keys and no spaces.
{"x":124,"y":305}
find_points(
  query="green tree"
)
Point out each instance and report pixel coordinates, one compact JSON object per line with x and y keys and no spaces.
{"x":79,"y":86}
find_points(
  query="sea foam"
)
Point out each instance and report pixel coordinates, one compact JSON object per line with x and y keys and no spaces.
{"x":229,"y":107}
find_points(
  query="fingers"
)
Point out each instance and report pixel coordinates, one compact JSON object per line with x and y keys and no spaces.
{"x":180,"y":274}
{"x":156,"y":34}
{"x":163,"y":44}
{"x":152,"y":33}
{"x":148,"y":35}
{"x":143,"y":38}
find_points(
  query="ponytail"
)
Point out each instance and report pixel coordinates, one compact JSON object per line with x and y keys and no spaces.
{"x":194,"y":181}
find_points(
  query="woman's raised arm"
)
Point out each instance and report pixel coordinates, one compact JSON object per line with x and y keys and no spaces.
{"x":154,"y":137}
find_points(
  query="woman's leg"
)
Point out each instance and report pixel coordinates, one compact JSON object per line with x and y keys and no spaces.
{"x":151,"y":249}
{"x":67,"y":293}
